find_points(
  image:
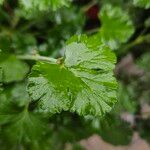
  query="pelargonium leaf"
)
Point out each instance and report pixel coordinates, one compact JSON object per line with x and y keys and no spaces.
{"x":116,"y":26}
{"x":142,"y":3}
{"x":13,"y":69}
{"x":11,"y":98}
{"x":18,"y":124}
{"x":84,"y":83}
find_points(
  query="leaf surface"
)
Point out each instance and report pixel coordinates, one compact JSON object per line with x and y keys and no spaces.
{"x":116,"y":26}
{"x":84,"y":83}
{"x":13,"y":69}
{"x":18,"y":124}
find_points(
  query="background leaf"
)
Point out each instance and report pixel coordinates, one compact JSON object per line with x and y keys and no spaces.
{"x":1,"y":2}
{"x":142,"y":3}
{"x":44,"y":4}
{"x":116,"y":26}
{"x":114,"y":127}
{"x":18,"y":124}
{"x":13,"y":69}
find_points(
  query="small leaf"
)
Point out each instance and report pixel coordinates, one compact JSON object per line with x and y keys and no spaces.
{"x":13,"y":69}
{"x":116,"y":26}
{"x":83,"y":84}
{"x":142,"y":3}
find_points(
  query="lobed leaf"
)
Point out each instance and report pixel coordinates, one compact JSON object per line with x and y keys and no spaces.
{"x":84,"y":83}
{"x":116,"y":26}
{"x":18,"y":124}
{"x":13,"y":69}
{"x":11,"y":98}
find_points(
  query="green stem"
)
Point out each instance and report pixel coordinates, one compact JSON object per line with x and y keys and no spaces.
{"x":137,"y":41}
{"x":37,"y":57}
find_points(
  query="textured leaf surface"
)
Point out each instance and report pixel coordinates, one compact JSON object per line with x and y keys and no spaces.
{"x":44,"y":4}
{"x":116,"y":26}
{"x":142,"y":3}
{"x":84,"y":83}
{"x":13,"y":69}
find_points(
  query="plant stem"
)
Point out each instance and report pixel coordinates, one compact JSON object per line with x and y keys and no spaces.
{"x":37,"y":57}
{"x":137,"y":41}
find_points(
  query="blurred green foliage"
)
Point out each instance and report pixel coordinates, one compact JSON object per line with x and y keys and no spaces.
{"x":28,"y":28}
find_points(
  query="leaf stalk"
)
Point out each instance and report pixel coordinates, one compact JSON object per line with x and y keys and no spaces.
{"x":37,"y":58}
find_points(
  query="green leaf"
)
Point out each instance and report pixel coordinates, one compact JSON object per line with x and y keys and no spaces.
{"x":1,"y":77}
{"x":11,"y":99}
{"x":144,"y":61}
{"x":24,"y":127}
{"x":116,"y":128}
{"x":20,"y":95}
{"x":84,"y":83}
{"x":126,"y":99}
{"x":43,"y":4}
{"x":112,"y":129}
{"x":1,"y":73}
{"x":70,"y":127}
{"x":18,"y":124}
{"x":13,"y":69}
{"x":1,"y":2}
{"x":116,"y":26}
{"x":142,"y":3}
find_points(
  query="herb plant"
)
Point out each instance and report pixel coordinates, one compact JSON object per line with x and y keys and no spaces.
{"x":57,"y":79}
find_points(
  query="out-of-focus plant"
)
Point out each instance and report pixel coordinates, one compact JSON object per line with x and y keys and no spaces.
{"x":56,"y":88}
